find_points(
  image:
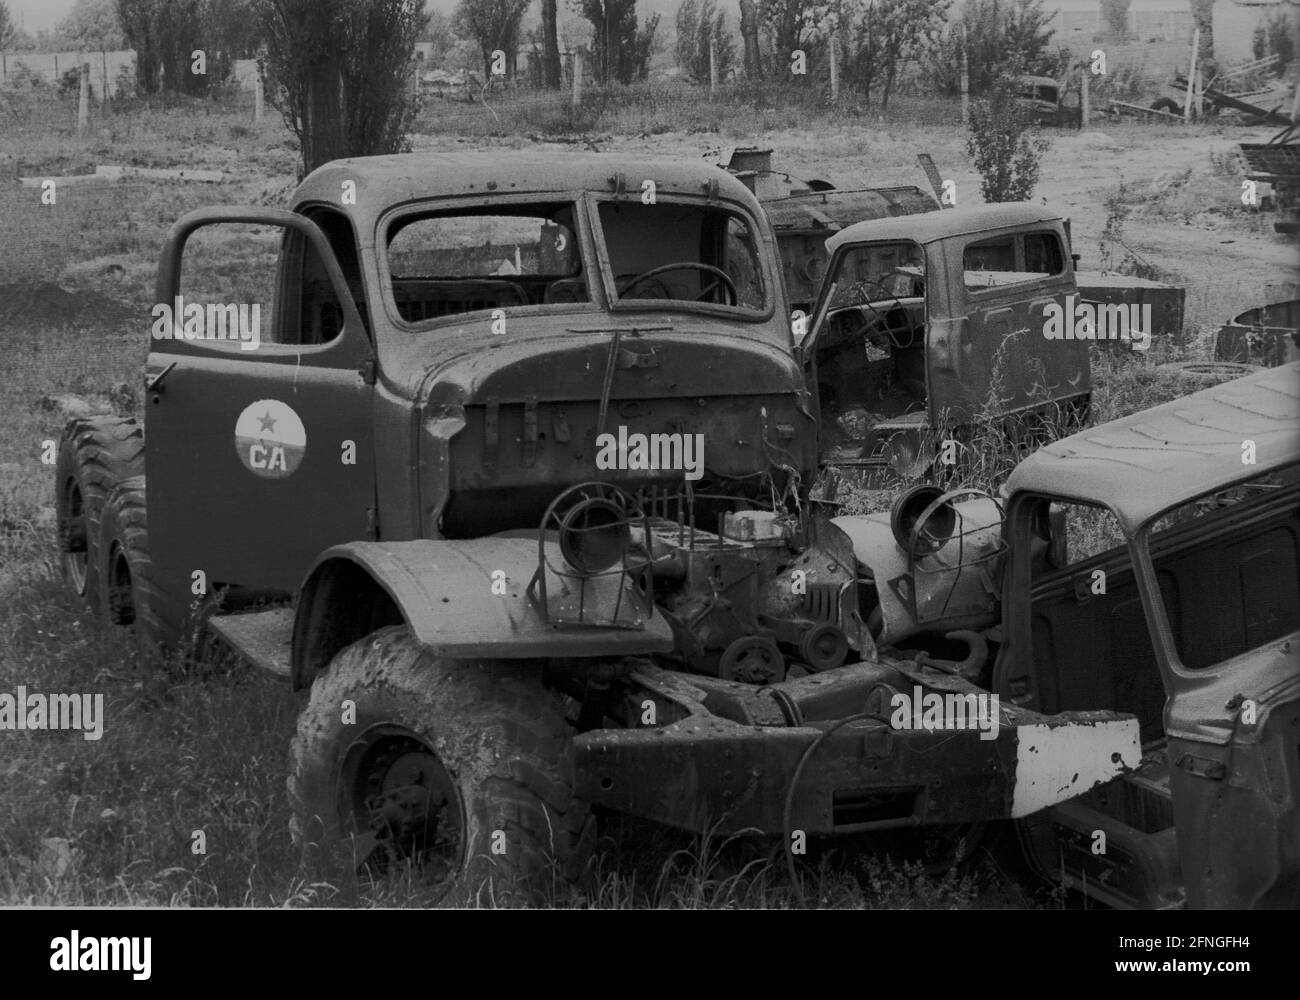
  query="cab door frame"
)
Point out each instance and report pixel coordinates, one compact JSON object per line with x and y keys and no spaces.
{"x":215,"y":518}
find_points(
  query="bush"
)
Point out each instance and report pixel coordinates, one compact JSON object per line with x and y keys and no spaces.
{"x":1005,"y":145}
{"x":1002,"y":38}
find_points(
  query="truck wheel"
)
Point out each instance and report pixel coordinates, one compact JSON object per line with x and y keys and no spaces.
{"x":95,"y":453}
{"x":462,"y":768}
{"x":128,"y":594}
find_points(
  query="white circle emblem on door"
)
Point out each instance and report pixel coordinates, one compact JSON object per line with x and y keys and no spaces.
{"x":270,"y":439}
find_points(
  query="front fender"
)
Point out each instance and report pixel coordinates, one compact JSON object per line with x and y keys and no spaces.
{"x":443,"y":590}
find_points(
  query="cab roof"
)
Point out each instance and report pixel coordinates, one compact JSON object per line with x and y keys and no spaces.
{"x":384,"y":181}
{"x":931,"y":226}
{"x":1143,"y":464}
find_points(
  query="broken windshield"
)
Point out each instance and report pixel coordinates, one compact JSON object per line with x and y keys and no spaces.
{"x":1229,"y":568}
{"x":669,"y":253}
{"x":481,"y":259}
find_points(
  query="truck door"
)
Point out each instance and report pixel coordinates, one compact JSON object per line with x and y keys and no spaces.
{"x":1007,"y":281}
{"x":258,"y":441}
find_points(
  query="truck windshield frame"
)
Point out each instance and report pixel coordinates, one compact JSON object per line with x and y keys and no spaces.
{"x":1145,"y":561}
{"x":763,"y":260}
{"x":582,"y":290}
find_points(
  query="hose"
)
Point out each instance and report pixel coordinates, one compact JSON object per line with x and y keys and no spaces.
{"x":794,"y":783}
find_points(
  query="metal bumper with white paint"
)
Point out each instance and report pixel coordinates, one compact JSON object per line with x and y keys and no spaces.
{"x":706,"y":772}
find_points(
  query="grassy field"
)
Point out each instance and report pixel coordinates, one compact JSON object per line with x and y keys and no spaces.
{"x":114,"y":821}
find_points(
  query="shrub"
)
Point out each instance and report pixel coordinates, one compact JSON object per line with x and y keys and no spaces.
{"x":1005,"y":145}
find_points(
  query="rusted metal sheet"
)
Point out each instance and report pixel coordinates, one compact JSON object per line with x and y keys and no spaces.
{"x":444,"y":590}
{"x":804,"y":212}
{"x":1268,"y":335}
{"x":707,"y":770}
{"x":931,"y":226}
{"x":1165,"y":302}
{"x":1141,"y":465}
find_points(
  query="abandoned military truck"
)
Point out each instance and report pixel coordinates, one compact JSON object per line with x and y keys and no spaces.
{"x":514,"y":480}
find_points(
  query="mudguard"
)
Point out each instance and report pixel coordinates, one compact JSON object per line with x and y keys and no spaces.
{"x":444,"y":590}
{"x":949,"y":595}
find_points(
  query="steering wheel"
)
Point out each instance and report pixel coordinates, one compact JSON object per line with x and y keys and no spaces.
{"x":723,"y":278}
{"x":890,"y":330}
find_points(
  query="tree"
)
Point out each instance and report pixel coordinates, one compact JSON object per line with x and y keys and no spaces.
{"x":167,"y":33}
{"x":8,"y":30}
{"x":882,"y":35}
{"x":790,"y":26}
{"x":341,"y":73}
{"x":1116,"y":14}
{"x":620,"y":50}
{"x":1003,"y":37}
{"x":493,"y":25}
{"x":1004,"y":144}
{"x":91,"y":25}
{"x":551,"y":70}
{"x":700,"y":25}
{"x":442,"y":36}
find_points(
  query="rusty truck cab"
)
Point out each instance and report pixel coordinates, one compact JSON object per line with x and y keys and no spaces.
{"x":925,"y":322}
{"x":1155,"y":570}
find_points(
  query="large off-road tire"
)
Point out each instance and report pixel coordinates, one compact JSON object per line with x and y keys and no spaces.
{"x":95,"y":453}
{"x":128,"y":594}
{"x":461,"y":767}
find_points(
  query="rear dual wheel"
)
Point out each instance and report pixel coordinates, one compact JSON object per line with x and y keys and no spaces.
{"x":94,"y":455}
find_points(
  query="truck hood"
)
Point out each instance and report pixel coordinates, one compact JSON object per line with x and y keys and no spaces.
{"x":645,"y":363}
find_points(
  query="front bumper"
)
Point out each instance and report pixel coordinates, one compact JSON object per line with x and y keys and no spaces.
{"x":706,"y":772}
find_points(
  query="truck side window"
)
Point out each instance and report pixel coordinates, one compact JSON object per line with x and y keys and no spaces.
{"x":227,"y":287}
{"x":993,"y":263}
{"x":1043,"y":254}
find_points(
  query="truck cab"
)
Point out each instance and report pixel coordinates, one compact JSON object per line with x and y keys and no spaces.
{"x":926,"y":322}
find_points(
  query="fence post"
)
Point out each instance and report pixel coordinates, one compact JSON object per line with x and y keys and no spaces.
{"x":965,"y":82}
{"x":103,"y":79}
{"x":83,"y":97}
{"x":1084,"y":107}
{"x":713,"y":67}
{"x":577,"y":78}
{"x":835,"y":66}
{"x":259,"y":95}
{"x":1191,"y":76}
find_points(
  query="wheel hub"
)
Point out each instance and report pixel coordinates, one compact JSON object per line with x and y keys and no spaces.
{"x":399,"y":801}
